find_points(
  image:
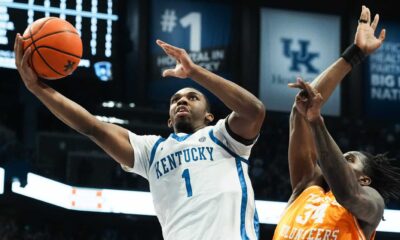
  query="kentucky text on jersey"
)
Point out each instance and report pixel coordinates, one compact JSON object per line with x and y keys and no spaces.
{"x":174,"y":160}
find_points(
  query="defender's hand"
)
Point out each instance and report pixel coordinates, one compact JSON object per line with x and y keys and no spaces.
{"x":184,"y":65}
{"x":365,"y":36}
{"x":308,"y":100}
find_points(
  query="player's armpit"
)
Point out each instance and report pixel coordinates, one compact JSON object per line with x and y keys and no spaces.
{"x":114,"y":140}
{"x":247,"y":128}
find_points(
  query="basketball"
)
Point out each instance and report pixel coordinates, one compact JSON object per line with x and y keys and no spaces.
{"x":56,"y":47}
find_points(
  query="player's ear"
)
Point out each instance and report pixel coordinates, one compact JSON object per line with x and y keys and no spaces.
{"x":364,"y":180}
{"x":209,"y":118}
{"x":170,"y":123}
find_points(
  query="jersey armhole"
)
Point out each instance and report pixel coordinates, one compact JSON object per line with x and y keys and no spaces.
{"x":360,"y":231}
{"x":238,"y":138}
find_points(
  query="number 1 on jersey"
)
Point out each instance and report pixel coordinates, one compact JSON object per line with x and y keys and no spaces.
{"x":186,"y":176}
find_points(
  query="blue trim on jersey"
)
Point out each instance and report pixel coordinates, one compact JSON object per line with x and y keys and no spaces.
{"x":256,"y":223}
{"x":153,"y":150}
{"x":180,"y":138}
{"x":244,"y":200}
{"x":243,"y":185}
{"x":217,"y":141}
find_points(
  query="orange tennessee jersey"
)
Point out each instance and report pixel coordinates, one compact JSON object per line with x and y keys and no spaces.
{"x":315,"y":215}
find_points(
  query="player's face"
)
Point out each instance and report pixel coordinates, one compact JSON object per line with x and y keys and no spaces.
{"x":357,"y":161}
{"x":188,"y":111}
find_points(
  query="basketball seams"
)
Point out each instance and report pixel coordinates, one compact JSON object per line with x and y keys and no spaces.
{"x":31,"y":62}
{"x":56,"y":51}
{"x":60,"y":51}
{"x":50,"y":34}
{"x":47,"y":64}
{"x":40,"y":28}
{"x":40,"y":55}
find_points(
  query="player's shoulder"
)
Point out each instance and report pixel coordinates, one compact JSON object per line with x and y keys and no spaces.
{"x":212,"y":127}
{"x":144,"y":136}
{"x":219,"y":124}
{"x":144,"y":140}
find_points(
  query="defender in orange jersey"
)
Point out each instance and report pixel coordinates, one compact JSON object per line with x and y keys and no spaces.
{"x":315,"y":214}
{"x":340,"y":196}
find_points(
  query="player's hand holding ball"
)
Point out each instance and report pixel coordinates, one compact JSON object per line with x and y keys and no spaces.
{"x":50,"y":48}
{"x":28,"y":76}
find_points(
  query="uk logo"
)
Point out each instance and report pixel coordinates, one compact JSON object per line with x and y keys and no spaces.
{"x":303,"y":57}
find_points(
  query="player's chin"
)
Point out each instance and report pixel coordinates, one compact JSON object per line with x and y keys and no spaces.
{"x":182,"y":120}
{"x":182,"y":117}
{"x":184,"y":125}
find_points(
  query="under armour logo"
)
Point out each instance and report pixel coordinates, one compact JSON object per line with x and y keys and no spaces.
{"x":202,"y":139}
{"x":68,"y":67}
{"x":302,"y":57}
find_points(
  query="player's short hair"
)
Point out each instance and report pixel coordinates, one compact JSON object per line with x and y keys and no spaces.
{"x":385,"y":177}
{"x":208,"y":105}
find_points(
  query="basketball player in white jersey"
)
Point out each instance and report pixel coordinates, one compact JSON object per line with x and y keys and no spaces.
{"x":198,"y":175}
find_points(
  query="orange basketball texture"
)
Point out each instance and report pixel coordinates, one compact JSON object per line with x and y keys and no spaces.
{"x":56,"y":47}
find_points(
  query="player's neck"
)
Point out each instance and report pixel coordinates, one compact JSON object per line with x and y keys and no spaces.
{"x":187,"y":129}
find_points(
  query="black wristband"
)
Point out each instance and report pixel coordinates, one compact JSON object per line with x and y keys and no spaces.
{"x":353,"y":55}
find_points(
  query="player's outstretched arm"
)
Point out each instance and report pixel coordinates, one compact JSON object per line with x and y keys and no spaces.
{"x":112,"y":138}
{"x":365,"y":43}
{"x":302,"y":161}
{"x":362,"y":201}
{"x":302,"y":153}
{"x":248,"y":112}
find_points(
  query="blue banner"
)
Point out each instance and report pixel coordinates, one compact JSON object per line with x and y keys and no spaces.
{"x":202,"y":29}
{"x":383,"y":76}
{"x":296,"y":44}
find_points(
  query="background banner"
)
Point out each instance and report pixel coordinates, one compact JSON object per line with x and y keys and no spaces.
{"x":296,"y":44}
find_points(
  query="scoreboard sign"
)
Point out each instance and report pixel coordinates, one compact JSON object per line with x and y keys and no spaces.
{"x":94,"y":20}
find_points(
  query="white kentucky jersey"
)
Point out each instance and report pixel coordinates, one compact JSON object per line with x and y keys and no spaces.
{"x":199,"y":183}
